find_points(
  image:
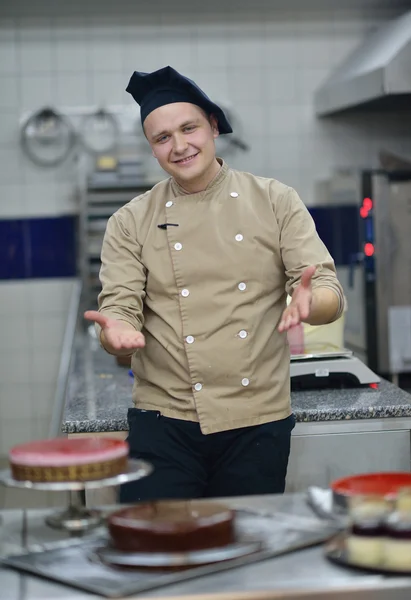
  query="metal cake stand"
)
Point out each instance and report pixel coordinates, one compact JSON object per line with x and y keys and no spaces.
{"x":77,"y":517}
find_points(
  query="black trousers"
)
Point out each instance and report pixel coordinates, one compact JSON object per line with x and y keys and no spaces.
{"x":188,"y":464}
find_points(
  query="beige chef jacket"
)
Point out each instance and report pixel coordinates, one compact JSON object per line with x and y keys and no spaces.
{"x":208,"y":293}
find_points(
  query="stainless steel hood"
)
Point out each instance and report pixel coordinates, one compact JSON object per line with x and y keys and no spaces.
{"x":377,"y":75}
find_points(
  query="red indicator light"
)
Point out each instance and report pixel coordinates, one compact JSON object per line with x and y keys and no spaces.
{"x":374,"y":386}
{"x":369,"y":249}
{"x":367,"y":204}
{"x":363,"y":212}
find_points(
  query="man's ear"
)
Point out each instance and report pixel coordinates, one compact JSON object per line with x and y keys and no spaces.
{"x":214,"y":126}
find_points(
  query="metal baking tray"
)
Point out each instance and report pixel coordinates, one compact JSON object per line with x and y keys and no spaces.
{"x":279,"y":533}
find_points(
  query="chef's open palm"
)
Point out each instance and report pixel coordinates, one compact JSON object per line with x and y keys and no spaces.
{"x":117,"y":333}
{"x":300,"y":306}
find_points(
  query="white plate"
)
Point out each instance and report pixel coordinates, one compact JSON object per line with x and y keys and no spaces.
{"x":111,"y":556}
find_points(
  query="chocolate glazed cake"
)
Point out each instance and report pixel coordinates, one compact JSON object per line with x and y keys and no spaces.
{"x":171,"y":526}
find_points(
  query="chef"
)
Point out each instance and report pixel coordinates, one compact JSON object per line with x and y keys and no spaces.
{"x":195,"y":274}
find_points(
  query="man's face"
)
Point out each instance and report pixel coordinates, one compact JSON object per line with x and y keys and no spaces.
{"x":182,"y":140}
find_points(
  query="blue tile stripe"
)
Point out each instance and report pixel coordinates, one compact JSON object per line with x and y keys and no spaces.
{"x":47,"y":248}
{"x":38,"y":248}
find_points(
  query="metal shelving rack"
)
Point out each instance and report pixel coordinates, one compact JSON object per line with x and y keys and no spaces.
{"x":97,"y":204}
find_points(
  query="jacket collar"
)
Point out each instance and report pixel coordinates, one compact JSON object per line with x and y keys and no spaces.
{"x":214,"y":183}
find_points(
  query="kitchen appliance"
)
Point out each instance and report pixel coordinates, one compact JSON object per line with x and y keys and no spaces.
{"x":331,"y":368}
{"x":366,"y":228}
{"x":376,"y":75}
{"x":377,"y":278}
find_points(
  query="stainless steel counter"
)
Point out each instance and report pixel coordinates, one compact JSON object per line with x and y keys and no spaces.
{"x":302,"y":574}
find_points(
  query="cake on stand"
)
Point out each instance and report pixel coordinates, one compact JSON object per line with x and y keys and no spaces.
{"x":77,"y":518}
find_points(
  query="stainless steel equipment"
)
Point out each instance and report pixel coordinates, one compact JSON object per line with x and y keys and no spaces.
{"x":99,"y":199}
{"x":369,"y":237}
{"x":377,"y":74}
{"x":100,"y":132}
{"x":260,"y":535}
{"x":333,"y":369}
{"x":47,"y":137}
{"x":293,"y":576}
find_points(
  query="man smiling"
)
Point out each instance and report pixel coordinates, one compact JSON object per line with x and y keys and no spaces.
{"x":195,"y":275}
{"x":185,"y":150}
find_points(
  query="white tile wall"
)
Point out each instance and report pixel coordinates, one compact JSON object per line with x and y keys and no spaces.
{"x":10,"y":92}
{"x":8,"y":50}
{"x":34,"y":46}
{"x":32,"y":322}
{"x":265,"y":62}
{"x":70,"y":43}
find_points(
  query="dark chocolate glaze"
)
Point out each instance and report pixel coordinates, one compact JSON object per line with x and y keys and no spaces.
{"x":399,"y":530}
{"x":368,"y":530}
{"x":171,"y":526}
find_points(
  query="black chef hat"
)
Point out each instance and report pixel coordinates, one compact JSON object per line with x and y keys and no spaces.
{"x":166,"y":86}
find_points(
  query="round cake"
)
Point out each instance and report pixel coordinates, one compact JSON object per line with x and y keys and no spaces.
{"x":171,"y":526}
{"x":397,"y":543}
{"x":65,"y":459}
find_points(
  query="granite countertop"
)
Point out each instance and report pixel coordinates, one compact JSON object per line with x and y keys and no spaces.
{"x":99,"y":394}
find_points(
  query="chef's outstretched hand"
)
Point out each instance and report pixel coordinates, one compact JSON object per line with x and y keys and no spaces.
{"x":118,"y":336}
{"x":300,"y":306}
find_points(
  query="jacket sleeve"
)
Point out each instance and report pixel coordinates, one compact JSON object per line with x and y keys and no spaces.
{"x":301,"y":247}
{"x":122,"y":273}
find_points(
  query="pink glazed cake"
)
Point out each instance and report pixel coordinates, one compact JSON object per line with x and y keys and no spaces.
{"x":65,"y":459}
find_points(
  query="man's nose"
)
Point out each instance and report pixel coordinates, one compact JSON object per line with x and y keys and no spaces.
{"x":179,"y":143}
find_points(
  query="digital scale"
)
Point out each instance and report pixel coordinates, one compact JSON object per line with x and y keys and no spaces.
{"x":330,"y":368}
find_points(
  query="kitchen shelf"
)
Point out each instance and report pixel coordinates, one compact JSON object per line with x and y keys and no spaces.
{"x":97,"y":204}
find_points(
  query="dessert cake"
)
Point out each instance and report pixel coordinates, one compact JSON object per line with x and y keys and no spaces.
{"x":397,"y":548}
{"x":171,"y":526}
{"x":380,"y":533}
{"x":366,"y":546}
{"x":365,"y":543}
{"x":65,"y":459}
{"x":397,"y":543}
